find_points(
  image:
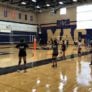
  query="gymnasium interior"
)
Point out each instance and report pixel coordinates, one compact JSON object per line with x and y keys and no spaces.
{"x":39,"y":22}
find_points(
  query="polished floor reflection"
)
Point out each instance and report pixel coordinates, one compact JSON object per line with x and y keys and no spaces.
{"x":71,"y":75}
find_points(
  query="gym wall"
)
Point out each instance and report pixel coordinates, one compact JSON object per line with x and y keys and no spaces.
{"x":48,"y":17}
{"x":13,"y":26}
{"x":10,"y":14}
{"x":50,"y":29}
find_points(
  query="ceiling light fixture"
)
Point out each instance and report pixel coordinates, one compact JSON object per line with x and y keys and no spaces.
{"x":33,"y":0}
{"x":48,"y":5}
{"x":60,"y":2}
{"x":23,"y":3}
{"x":74,"y":0}
{"x":38,"y":6}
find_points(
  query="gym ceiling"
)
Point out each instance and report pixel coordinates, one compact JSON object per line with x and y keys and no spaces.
{"x":41,"y":5}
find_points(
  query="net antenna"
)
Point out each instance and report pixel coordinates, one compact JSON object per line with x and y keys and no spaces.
{"x":11,"y":33}
{"x":11,"y":38}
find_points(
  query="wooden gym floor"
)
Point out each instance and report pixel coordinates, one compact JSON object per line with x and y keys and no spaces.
{"x":73,"y":74}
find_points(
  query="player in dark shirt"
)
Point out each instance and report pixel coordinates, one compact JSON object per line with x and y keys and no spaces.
{"x":63,"y":49}
{"x":22,"y":51}
{"x":55,"y":53}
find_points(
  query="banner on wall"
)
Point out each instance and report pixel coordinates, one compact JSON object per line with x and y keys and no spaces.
{"x":31,"y":18}
{"x":63,"y":22}
{"x":5,"y":12}
{"x":17,"y":26}
{"x":13,"y":14}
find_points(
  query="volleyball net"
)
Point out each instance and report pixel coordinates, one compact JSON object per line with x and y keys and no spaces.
{"x":12,"y":39}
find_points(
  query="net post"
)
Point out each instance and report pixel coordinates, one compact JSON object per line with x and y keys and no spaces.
{"x":34,"y":43}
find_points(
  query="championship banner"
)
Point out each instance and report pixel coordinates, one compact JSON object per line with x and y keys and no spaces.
{"x":5,"y":12}
{"x":63,"y":22}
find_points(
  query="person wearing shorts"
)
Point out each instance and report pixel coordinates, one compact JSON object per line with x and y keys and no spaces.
{"x":22,"y":52}
{"x":79,"y":48}
{"x":55,"y":53}
{"x":63,"y":49}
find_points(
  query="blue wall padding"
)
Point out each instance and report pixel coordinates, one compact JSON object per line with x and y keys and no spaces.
{"x":15,"y":36}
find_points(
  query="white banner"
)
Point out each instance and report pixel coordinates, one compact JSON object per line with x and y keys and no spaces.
{"x":16,"y":27}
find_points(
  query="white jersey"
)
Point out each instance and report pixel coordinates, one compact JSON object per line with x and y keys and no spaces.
{"x":79,"y":44}
{"x":65,"y":42}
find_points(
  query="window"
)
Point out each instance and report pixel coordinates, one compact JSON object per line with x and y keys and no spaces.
{"x":25,"y":17}
{"x":19,"y":15}
{"x":62,"y":11}
{"x":84,"y":17}
{"x":31,"y":18}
